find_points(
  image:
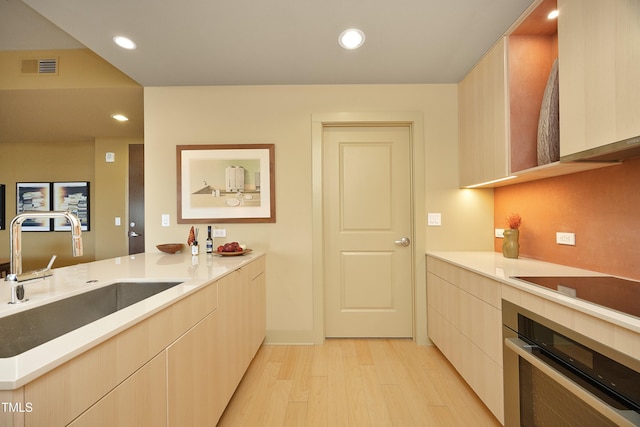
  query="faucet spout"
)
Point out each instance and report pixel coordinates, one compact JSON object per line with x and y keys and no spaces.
{"x":16,"y":234}
{"x":15,"y":237}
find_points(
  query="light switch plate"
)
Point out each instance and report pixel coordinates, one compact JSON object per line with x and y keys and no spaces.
{"x":165,"y":220}
{"x":219,"y":232}
{"x":434,"y":219}
{"x":500,"y":233}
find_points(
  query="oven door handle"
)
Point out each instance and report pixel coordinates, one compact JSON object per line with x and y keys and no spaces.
{"x":524,"y":350}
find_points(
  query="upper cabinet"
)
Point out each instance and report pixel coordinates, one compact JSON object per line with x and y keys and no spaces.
{"x":599,"y":43}
{"x":511,"y":114}
{"x":482,"y":119}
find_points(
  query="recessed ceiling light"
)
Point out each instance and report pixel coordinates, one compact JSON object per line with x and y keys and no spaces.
{"x":351,"y":38}
{"x":553,"y":14}
{"x":120,"y":117}
{"x":124,"y":42}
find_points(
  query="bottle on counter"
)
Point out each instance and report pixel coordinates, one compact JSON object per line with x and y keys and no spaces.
{"x":195,"y":250}
{"x":209,"y":241}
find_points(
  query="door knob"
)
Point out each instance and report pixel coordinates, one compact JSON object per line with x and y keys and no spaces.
{"x":134,"y":234}
{"x":403,"y":242}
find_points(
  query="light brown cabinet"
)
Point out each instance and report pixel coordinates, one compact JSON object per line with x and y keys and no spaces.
{"x":194,"y":373}
{"x":139,"y":401}
{"x":499,"y":102}
{"x":482,"y":105}
{"x":465,"y":322}
{"x":207,"y":363}
{"x":600,"y":88}
{"x":177,"y":367}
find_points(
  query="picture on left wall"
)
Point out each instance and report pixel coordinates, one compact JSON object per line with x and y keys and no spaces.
{"x":34,"y":196}
{"x":2,"y":207}
{"x":53,"y":196}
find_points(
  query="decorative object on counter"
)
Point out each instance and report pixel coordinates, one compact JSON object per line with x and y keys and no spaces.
{"x":170,"y":248}
{"x":549,"y":121}
{"x":231,"y":249}
{"x":511,"y":244}
{"x":230,"y":183}
{"x":209,"y":240}
{"x":193,"y":241}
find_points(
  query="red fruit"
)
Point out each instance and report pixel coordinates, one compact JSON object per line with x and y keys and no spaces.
{"x":220,"y":248}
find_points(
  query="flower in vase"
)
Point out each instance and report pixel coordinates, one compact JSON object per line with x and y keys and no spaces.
{"x":514,"y":221}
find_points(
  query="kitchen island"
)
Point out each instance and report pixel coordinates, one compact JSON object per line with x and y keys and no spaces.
{"x":174,"y":357}
{"x":465,"y":291}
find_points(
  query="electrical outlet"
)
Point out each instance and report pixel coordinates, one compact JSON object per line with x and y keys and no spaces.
{"x":165,"y":220}
{"x":219,"y":232}
{"x":566,"y":239}
{"x":500,"y":233}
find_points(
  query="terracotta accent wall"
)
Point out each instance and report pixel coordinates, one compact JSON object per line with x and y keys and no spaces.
{"x":602,"y":207}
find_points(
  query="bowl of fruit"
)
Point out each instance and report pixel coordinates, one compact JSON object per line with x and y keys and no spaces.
{"x":231,"y":249}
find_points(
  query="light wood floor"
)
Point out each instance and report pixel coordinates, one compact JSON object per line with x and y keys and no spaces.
{"x":349,"y":382}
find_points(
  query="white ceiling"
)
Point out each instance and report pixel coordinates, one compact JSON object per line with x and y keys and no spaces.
{"x":250,"y":42}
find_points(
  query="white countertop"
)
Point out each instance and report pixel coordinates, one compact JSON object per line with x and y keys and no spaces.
{"x":68,"y":281}
{"x":495,"y":266}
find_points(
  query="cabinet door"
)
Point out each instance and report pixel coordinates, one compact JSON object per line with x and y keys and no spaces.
{"x":599,"y":48}
{"x":193,"y":366}
{"x":141,"y":400}
{"x":482,"y":99}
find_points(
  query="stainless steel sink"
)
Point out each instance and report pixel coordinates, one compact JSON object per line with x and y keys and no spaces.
{"x":28,"y":329}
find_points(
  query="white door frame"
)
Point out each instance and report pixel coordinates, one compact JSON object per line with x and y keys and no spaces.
{"x":416,"y":122}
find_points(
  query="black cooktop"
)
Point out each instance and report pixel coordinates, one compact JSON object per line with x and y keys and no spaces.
{"x":611,"y":292}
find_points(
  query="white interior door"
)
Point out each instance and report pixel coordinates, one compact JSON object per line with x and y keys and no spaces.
{"x":368,"y":228}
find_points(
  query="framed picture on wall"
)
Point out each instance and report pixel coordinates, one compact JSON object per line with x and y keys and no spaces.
{"x":72,"y":197}
{"x":34,"y":196}
{"x":226,"y":183}
{"x":2,"y":207}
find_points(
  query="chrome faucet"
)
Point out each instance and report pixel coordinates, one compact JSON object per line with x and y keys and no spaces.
{"x":16,"y":276}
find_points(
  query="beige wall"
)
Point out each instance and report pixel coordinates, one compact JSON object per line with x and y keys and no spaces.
{"x":282,"y":115}
{"x":43,"y":162}
{"x":112,"y":192}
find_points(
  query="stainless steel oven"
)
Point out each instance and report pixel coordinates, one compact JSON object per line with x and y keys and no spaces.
{"x":554,"y":376}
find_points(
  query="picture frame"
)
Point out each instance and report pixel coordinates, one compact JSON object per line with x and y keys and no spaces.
{"x":34,"y":196}
{"x":2,"y":207}
{"x":226,"y":183}
{"x":73,"y":197}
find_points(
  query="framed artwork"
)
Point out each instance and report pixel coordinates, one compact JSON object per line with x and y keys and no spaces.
{"x":226,"y":183}
{"x":72,"y":197}
{"x":34,"y":196}
{"x":2,"y":207}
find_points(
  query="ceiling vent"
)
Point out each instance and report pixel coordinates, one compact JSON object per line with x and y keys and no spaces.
{"x":47,"y":66}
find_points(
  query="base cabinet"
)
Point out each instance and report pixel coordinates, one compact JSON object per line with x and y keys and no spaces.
{"x":465,"y":322}
{"x":179,"y":367}
{"x":194,"y":372}
{"x":139,"y":401}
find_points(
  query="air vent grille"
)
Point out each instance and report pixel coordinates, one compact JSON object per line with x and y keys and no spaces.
{"x":47,"y":66}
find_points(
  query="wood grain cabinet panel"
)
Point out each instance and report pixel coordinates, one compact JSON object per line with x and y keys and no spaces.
{"x":178,"y":367}
{"x":138,"y":401}
{"x":599,"y":69}
{"x":465,"y":323}
{"x":482,"y":115}
{"x":194,"y":372}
